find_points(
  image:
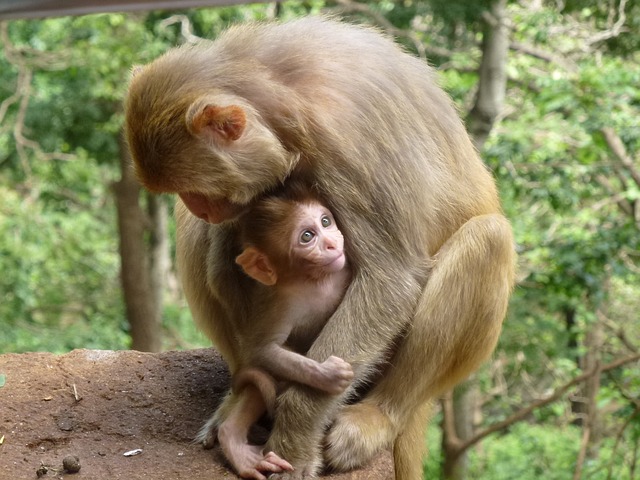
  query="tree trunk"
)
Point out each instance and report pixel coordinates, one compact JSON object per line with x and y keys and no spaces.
{"x":141,"y":303}
{"x":591,"y":423}
{"x":489,"y":103}
{"x":450,"y":441}
{"x":163,"y":277}
{"x":461,"y":409}
{"x":492,"y":82}
{"x":578,"y":405}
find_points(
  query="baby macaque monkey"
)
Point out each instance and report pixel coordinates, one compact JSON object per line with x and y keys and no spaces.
{"x":294,"y":249}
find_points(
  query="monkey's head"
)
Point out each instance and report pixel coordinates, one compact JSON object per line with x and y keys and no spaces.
{"x":188,"y":136}
{"x":289,"y":241}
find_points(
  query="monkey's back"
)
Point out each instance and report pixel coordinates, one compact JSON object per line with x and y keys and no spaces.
{"x":375,"y":113}
{"x":379,"y":137}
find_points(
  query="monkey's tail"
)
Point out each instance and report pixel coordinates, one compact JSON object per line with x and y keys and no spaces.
{"x":260,"y":379}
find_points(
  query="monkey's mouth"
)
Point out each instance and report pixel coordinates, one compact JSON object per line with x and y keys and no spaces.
{"x":336,"y":264}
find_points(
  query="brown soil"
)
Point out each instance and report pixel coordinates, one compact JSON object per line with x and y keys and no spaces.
{"x":97,"y":405}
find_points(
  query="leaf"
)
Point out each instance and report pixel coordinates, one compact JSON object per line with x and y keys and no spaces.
{"x":3,"y":379}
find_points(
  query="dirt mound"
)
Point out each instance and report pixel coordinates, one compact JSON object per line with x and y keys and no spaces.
{"x":98,"y":405}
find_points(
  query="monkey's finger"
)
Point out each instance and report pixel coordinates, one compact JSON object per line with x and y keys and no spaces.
{"x":275,"y":466}
{"x":275,"y":461}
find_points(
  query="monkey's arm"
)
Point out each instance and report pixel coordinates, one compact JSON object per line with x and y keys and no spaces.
{"x":332,"y":376}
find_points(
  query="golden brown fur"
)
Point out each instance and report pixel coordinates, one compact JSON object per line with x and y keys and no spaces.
{"x":346,"y":110}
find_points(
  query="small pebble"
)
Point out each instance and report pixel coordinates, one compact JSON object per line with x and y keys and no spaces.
{"x":71,"y":464}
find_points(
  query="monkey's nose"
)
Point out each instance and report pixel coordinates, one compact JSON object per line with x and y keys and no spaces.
{"x":330,"y":245}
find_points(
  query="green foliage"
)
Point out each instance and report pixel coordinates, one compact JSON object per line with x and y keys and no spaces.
{"x":60,"y":288}
{"x":431,"y":468}
{"x":538,"y":451}
{"x":180,"y":330}
{"x":454,"y":12}
{"x":529,"y":452}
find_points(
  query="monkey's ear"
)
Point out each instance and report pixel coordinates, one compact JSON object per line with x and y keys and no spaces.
{"x":224,"y":123}
{"x":257,"y":266}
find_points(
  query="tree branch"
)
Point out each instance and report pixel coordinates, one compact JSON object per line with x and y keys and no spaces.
{"x":553,"y":58}
{"x":21,"y":55}
{"x":22,"y":96}
{"x":185,"y":27}
{"x":617,"y":147}
{"x":619,"y":332}
{"x":524,"y":412}
{"x":617,"y":197}
{"x":614,"y":31}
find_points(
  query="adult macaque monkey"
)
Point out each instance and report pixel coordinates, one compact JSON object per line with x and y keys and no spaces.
{"x":292,"y":246}
{"x":346,"y":110}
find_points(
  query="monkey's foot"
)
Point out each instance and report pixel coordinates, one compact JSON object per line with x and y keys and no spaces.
{"x":359,"y":432}
{"x":249,"y":461}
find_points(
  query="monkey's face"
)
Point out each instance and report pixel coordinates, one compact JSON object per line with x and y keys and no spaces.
{"x":317,"y":245}
{"x":212,"y":149}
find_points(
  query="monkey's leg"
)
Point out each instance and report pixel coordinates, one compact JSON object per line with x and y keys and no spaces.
{"x":456,"y":326}
{"x":248,"y":460}
{"x":307,"y":457}
{"x":409,"y":446}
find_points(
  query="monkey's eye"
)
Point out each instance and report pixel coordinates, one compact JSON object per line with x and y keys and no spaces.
{"x":326,"y":221}
{"x":307,"y":236}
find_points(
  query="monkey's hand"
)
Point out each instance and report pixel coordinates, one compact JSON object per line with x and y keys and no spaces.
{"x":334,"y":375}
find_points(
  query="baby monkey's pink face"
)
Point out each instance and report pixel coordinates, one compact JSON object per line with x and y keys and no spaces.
{"x":316,"y":240}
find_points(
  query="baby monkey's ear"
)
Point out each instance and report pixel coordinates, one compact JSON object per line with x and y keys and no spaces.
{"x":257,"y":266}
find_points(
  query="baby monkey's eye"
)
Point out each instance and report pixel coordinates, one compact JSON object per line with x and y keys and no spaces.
{"x":307,"y":236}
{"x":326,"y":221}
